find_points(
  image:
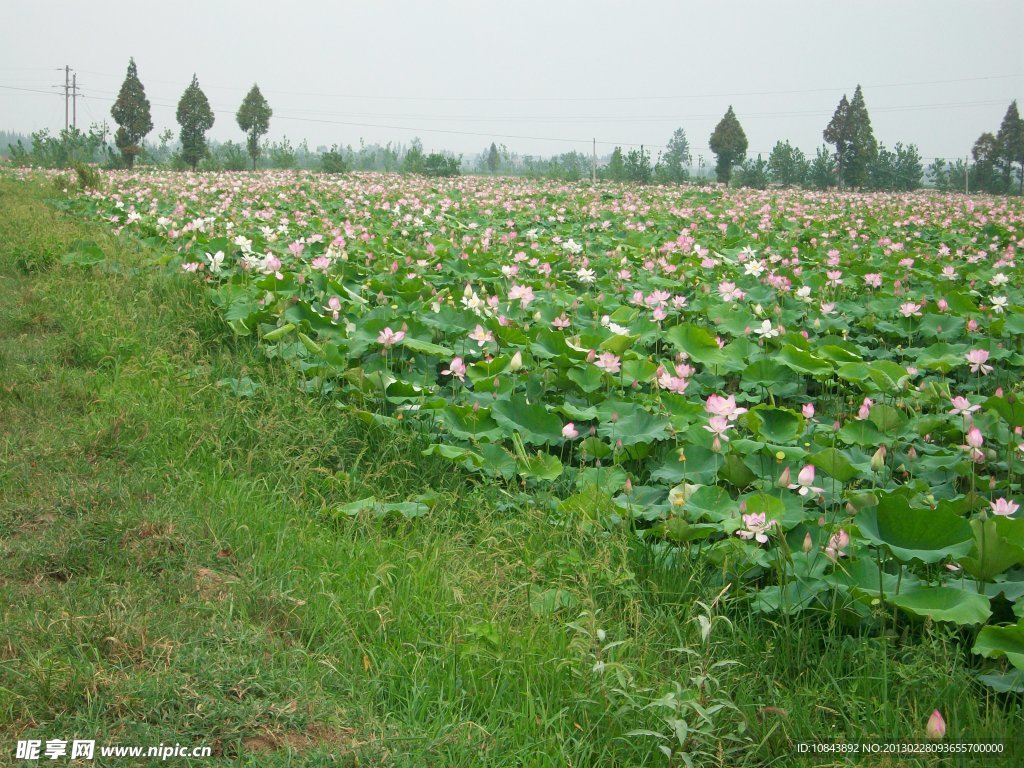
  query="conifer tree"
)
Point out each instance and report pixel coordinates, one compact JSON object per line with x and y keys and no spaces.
{"x":195,"y":118}
{"x":254,"y":119}
{"x":1010,"y":140}
{"x":132,"y":115}
{"x":729,"y":143}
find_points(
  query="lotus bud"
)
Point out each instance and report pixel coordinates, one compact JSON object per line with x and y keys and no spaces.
{"x":936,"y":727}
{"x":516,"y":363}
{"x":784,"y":479}
{"x":591,"y":356}
{"x":497,"y":382}
{"x":878,"y":459}
{"x":821,"y":521}
{"x":991,"y":483}
{"x":618,"y":444}
{"x":808,"y":542}
{"x":850,"y":509}
{"x":808,"y":410}
{"x":912,"y":453}
{"x":629,"y":486}
{"x":999,"y":391}
{"x":476,"y":406}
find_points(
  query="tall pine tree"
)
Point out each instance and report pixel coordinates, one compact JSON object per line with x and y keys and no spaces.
{"x":863,"y":148}
{"x":729,"y":143}
{"x":1011,"y":148}
{"x":836,"y":133}
{"x":195,"y":118}
{"x":254,"y":119}
{"x":131,"y":113}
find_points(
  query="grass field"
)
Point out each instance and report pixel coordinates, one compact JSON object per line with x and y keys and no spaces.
{"x":171,"y":572}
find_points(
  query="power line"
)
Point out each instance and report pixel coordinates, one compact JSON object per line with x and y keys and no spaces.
{"x":662,"y":97}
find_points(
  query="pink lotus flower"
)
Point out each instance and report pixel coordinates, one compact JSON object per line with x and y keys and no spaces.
{"x":804,"y":482}
{"x":481,"y":336}
{"x":757,"y":528}
{"x":1003,"y":507}
{"x":978,"y":359}
{"x":456,"y":368}
{"x":388,"y":338}
{"x":569,"y":431}
{"x":974,"y":438}
{"x":865,"y":408}
{"x":910,"y":309}
{"x":608,"y":362}
{"x":936,"y":727}
{"x":837,"y":544}
{"x":962,"y":407}
{"x":718,"y":426}
{"x":723,"y":406}
{"x":808,"y":410}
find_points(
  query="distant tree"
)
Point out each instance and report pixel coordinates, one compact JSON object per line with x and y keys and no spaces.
{"x":131,"y":113}
{"x":787,"y":165}
{"x":333,"y":161}
{"x":195,"y":118}
{"x":638,"y":166}
{"x":283,"y":155}
{"x":616,"y":168}
{"x":909,"y":168}
{"x":254,"y":120}
{"x":1010,"y":140}
{"x":823,"y":171}
{"x":985,"y":175}
{"x":729,"y":143}
{"x":752,"y":173}
{"x":837,"y":134}
{"x":938,"y":174}
{"x":672,"y":166}
{"x":492,"y":158}
{"x":862,"y":145}
{"x":413,"y":160}
{"x":437,"y":164}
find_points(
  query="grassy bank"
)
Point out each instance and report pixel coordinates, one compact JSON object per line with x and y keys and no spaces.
{"x":172,"y":570}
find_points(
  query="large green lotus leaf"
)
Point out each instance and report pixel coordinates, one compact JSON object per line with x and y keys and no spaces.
{"x":861,"y":432}
{"x":1005,"y":682}
{"x":588,"y":378}
{"x":1011,"y":410}
{"x":765,"y":373}
{"x":855,"y":372}
{"x":701,"y":466}
{"x":996,"y":642}
{"x":834,"y":463}
{"x":797,"y":596}
{"x":638,"y":370}
{"x":736,"y":472}
{"x":593,"y":447}
{"x":540,"y":466}
{"x":887,"y":375}
{"x":468,"y":424}
{"x":617,"y":343}
{"x":838,"y":354}
{"x":863,"y":578}
{"x":531,"y":420}
{"x":636,"y":426}
{"x":456,"y":454}
{"x":940,"y":357}
{"x":775,"y":425}
{"x":710,"y":502}
{"x":608,"y":479}
{"x":696,"y":342}
{"x":803,"y":362}
{"x":945,"y":604}
{"x":915,"y":533}
{"x":993,"y":553}
{"x":888,"y":420}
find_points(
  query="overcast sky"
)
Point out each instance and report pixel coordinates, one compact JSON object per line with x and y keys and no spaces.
{"x":540,"y":77}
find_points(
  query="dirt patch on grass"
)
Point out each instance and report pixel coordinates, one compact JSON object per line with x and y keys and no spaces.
{"x":213,"y":585}
{"x":317,"y":736}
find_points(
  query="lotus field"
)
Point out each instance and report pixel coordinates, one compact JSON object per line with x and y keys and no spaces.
{"x":820,"y":394}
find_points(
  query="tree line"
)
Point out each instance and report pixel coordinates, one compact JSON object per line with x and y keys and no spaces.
{"x":850,"y":157}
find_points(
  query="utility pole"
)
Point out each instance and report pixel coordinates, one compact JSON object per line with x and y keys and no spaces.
{"x":593,"y":164}
{"x":74,"y":101}
{"x":967,"y":174}
{"x":67,"y":91}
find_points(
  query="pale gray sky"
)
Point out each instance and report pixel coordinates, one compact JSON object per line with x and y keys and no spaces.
{"x":541,"y":77}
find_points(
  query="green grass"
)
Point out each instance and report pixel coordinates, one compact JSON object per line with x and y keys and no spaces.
{"x":170,"y":571}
